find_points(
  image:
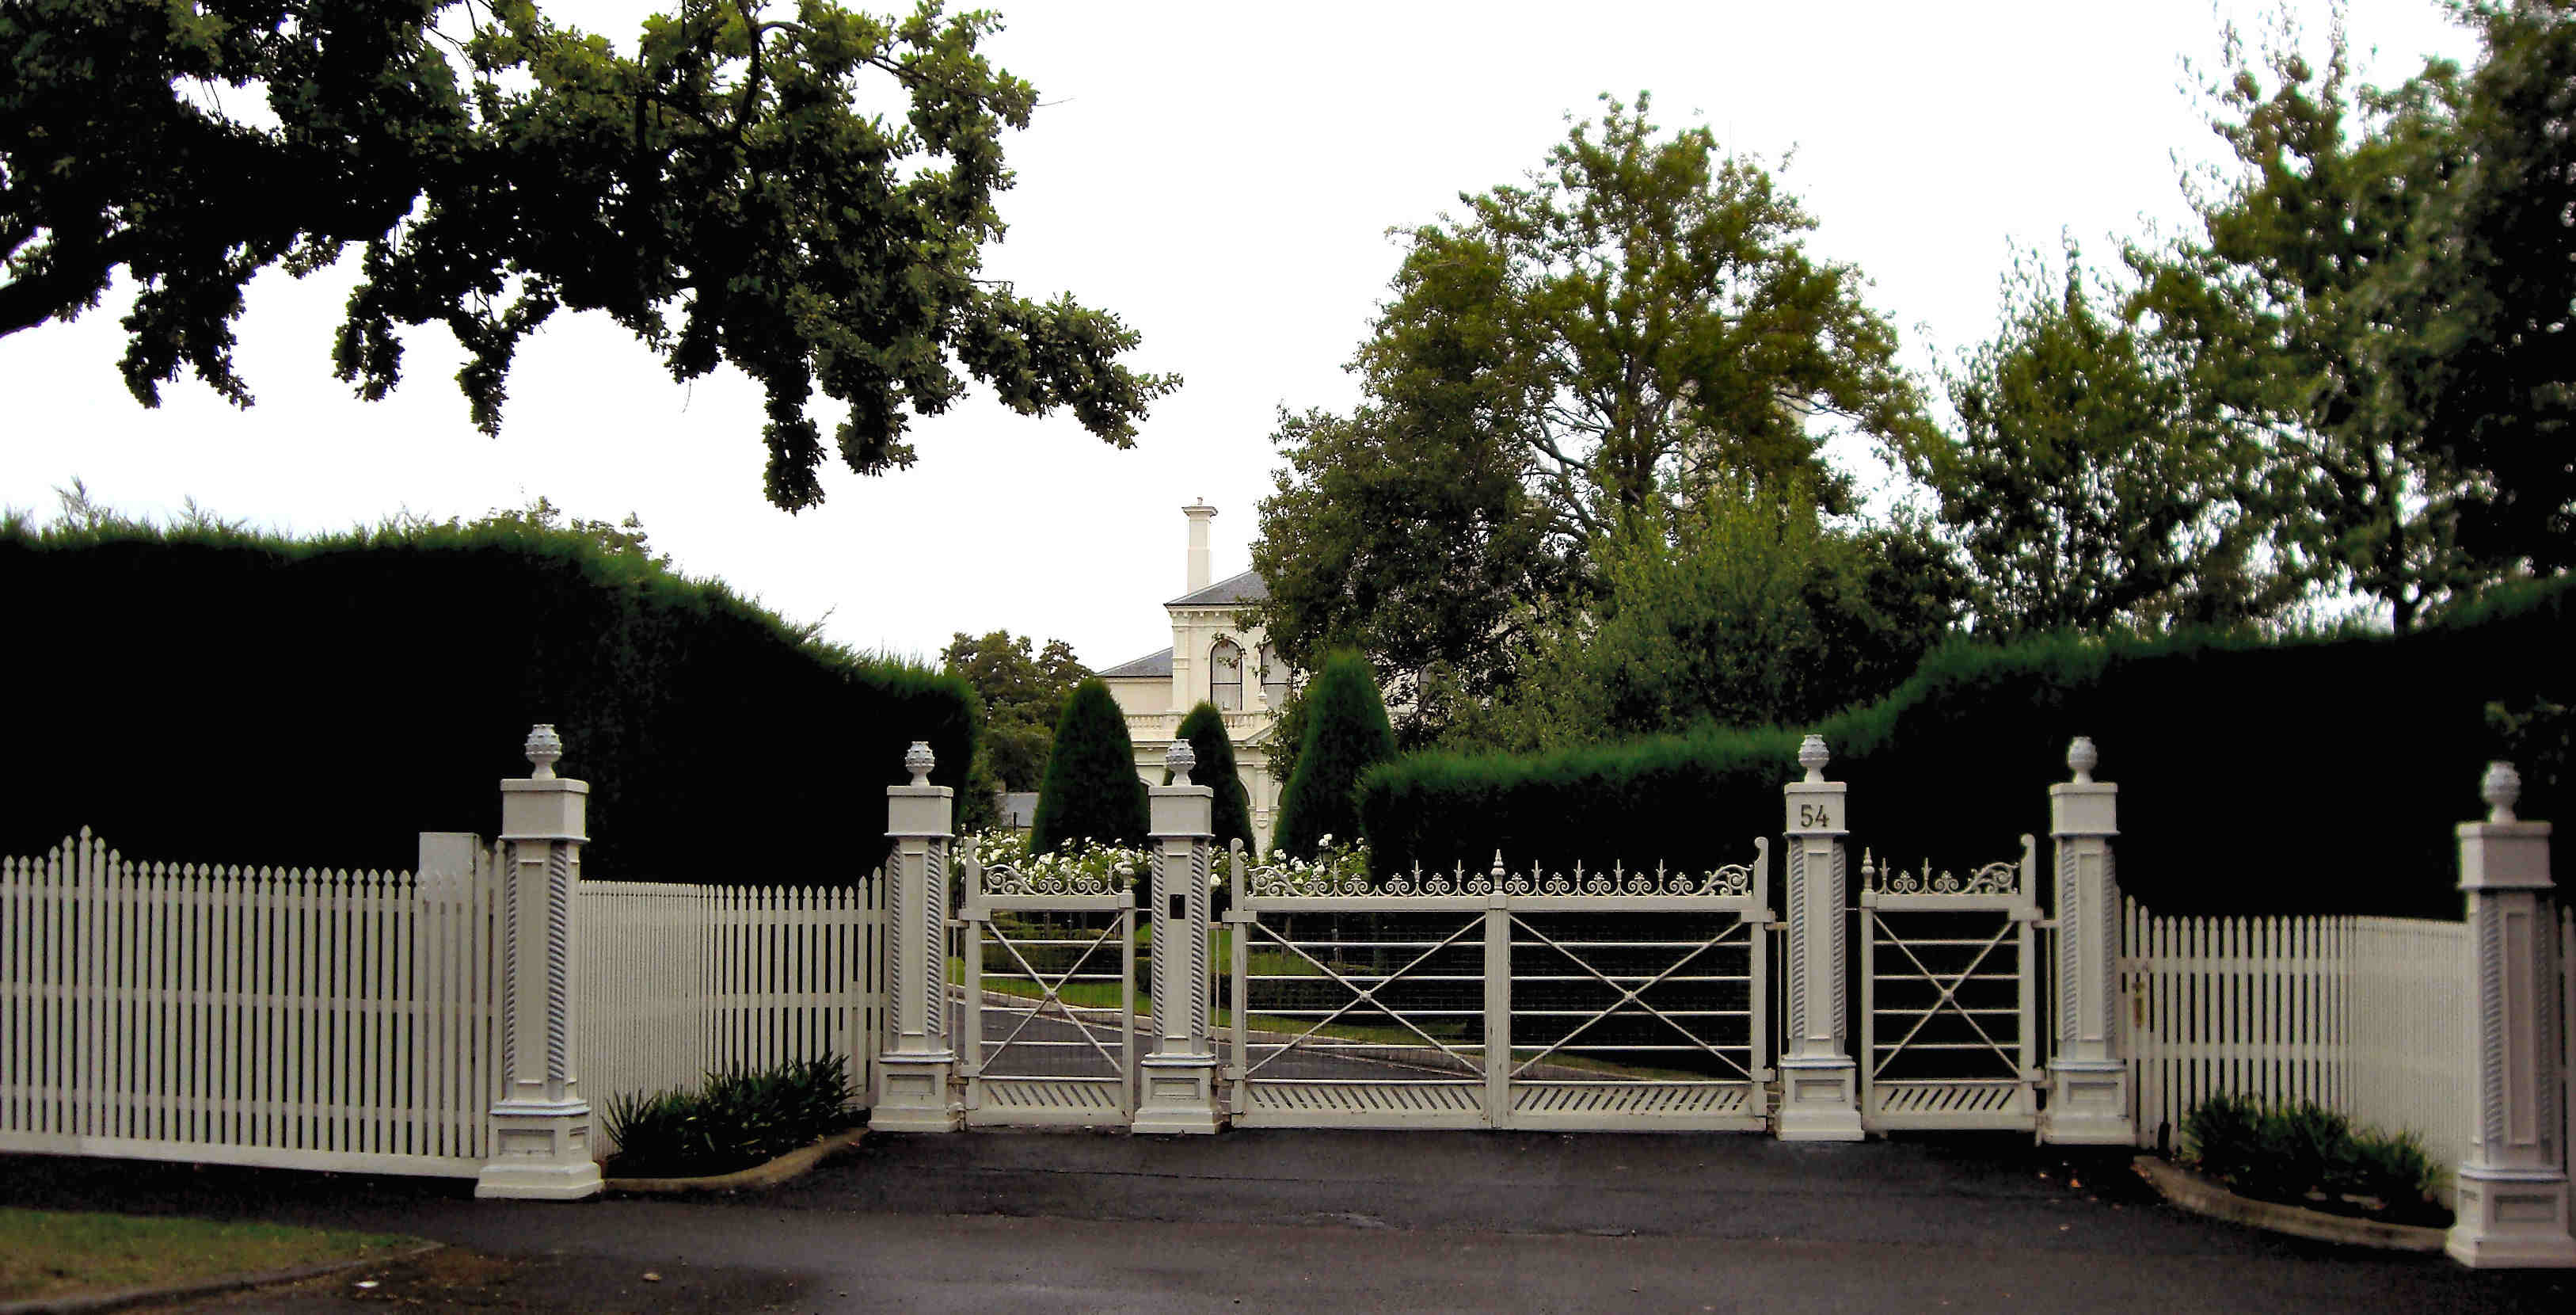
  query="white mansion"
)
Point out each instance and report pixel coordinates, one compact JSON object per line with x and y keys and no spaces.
{"x":1214,"y":658}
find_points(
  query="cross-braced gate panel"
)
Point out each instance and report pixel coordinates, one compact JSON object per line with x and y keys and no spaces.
{"x":1494,"y":998}
{"x":1949,"y":1016}
{"x":1048,"y":1010}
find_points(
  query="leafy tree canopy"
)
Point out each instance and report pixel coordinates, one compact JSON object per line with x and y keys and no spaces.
{"x":1092,"y":791}
{"x":1639,"y":322}
{"x":2087,"y":488}
{"x":1023,"y":692}
{"x":719,"y":193}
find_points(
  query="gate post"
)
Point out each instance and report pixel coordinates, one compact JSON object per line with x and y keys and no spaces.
{"x":2088,"y":1080}
{"x":917,"y":1065}
{"x":2513,"y":1189}
{"x":1180,"y":1076}
{"x":540,"y":1144}
{"x":1819,"y":1100}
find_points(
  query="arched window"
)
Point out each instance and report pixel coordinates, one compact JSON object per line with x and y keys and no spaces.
{"x":1225,"y":675}
{"x":1274,"y":678}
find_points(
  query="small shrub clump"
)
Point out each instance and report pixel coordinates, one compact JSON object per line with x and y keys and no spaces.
{"x":2307,"y":1155}
{"x":1346,"y":734}
{"x":737,"y":1119}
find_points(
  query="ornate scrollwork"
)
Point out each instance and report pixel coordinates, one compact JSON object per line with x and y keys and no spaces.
{"x":1011,"y":879}
{"x":2002,"y":878}
{"x":1618,"y":882}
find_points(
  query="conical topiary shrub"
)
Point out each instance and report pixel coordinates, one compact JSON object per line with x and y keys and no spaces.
{"x":1092,"y":790}
{"x":1204,"y":728}
{"x":1346,"y":734}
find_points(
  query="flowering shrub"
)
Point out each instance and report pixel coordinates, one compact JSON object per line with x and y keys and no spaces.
{"x":1084,"y":864}
{"x":1340,"y":865}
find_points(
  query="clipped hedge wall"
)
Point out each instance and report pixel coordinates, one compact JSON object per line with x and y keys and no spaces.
{"x":242,"y":699}
{"x":2305,"y":776}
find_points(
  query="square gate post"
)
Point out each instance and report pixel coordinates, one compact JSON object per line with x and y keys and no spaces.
{"x":2513,"y":1189}
{"x":1819,"y":1100}
{"x":2088,"y":1080}
{"x":540,"y":1143}
{"x":1180,"y":1076}
{"x":917,"y":1067}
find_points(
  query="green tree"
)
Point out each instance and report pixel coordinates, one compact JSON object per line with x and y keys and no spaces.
{"x":2086,"y":489}
{"x":1346,"y":734}
{"x":1092,"y":791}
{"x":1733,"y":611}
{"x":2279,"y":313}
{"x":2490,"y":373}
{"x":1638,"y":322}
{"x":1023,"y":692}
{"x":1204,"y":728}
{"x":724,"y":175}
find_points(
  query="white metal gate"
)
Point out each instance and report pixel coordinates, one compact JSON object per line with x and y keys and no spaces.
{"x":1949,"y":996}
{"x":1048,"y":1027}
{"x":1500,"y":999}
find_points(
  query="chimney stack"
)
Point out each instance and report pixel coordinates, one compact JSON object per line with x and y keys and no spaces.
{"x":1200,"y":514}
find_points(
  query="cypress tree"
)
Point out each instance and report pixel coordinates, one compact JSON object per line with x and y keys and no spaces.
{"x":1204,"y":728}
{"x":1346,"y":734}
{"x":1092,"y":790}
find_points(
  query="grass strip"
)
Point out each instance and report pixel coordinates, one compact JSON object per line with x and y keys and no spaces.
{"x":54,"y":1253}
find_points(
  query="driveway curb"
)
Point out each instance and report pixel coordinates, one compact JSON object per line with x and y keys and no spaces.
{"x":212,"y":1287}
{"x":2190,"y":1191}
{"x":794,"y":1164}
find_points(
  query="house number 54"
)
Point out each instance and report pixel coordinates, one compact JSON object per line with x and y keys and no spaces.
{"x":1815,"y":815}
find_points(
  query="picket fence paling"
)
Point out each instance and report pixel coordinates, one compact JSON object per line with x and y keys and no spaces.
{"x":2367,"y":1016}
{"x":678,"y":981}
{"x":290,"y":1017}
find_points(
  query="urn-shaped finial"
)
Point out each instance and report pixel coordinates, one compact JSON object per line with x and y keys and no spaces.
{"x":1813,"y":756}
{"x":918,"y":760}
{"x":2082,"y":758}
{"x":544,"y":749}
{"x":1180,"y":758}
{"x":2502,"y":789}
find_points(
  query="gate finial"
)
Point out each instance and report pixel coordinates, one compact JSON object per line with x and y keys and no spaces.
{"x":1180,"y":758}
{"x":2502,"y":789}
{"x":1813,"y":756}
{"x":2082,"y":758}
{"x":918,"y":760}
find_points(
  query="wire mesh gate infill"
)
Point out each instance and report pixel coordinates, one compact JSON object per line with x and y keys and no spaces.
{"x":1500,"y":999}
{"x":1046,"y":999}
{"x":1949,"y":1010}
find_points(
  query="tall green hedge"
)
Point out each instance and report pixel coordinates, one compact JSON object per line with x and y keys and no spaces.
{"x":1092,"y":791}
{"x":1230,"y":814}
{"x":1346,"y":734}
{"x":238,"y":698}
{"x":2315,"y":775}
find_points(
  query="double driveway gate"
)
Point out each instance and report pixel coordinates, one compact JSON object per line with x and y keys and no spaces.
{"x":1843,"y":1002}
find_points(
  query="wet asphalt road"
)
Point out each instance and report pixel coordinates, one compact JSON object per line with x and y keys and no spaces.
{"x":1360,"y":1221}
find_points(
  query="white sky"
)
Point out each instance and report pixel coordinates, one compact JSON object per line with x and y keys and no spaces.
{"x":1224,"y":183}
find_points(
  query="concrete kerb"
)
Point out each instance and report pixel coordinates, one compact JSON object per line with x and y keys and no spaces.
{"x":792,"y":1165}
{"x":213,"y":1287}
{"x":2190,"y":1191}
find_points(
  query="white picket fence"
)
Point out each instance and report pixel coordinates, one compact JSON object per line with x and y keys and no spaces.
{"x":285,"y":1017}
{"x":677,"y":981}
{"x":2369,"y":1016}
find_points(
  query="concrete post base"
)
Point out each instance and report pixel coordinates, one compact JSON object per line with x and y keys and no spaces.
{"x":540,"y":1152}
{"x":1180,"y":1095}
{"x":1819,"y":1100}
{"x":2512,"y":1219}
{"x":913,"y":1094}
{"x":2088,"y":1104}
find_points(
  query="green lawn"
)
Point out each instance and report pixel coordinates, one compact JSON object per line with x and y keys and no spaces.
{"x":50,"y":1253}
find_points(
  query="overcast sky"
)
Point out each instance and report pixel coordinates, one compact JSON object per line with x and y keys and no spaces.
{"x":1224,"y":183}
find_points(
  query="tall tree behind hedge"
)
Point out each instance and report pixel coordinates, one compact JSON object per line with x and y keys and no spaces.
{"x":1204,"y":728}
{"x":1346,"y":734}
{"x":1092,"y":790}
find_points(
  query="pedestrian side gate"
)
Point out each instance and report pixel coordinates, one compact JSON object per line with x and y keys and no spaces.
{"x":1949,"y":996}
{"x":1047,"y":1017}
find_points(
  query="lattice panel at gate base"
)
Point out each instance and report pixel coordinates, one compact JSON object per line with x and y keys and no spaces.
{"x":2000,"y":1103}
{"x":1709,"y":1106}
{"x":1363,"y":1104}
{"x":1080,"y":1102}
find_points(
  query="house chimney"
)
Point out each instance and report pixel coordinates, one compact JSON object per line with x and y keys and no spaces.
{"x":1200,"y":514}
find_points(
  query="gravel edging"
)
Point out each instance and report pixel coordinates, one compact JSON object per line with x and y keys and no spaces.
{"x":2190,"y":1191}
{"x":793,"y":1164}
{"x":95,"y":1302}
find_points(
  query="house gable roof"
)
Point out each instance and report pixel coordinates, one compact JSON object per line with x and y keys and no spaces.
{"x":1245,"y":588}
{"x":1157,"y":665}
